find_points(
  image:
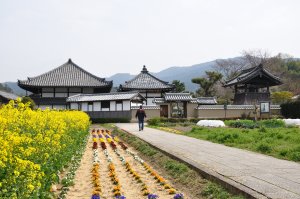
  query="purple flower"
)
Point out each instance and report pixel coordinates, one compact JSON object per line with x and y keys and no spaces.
{"x":120,"y":197}
{"x":94,"y":136}
{"x":152,"y":196}
{"x":178,"y":196}
{"x":95,"y":196}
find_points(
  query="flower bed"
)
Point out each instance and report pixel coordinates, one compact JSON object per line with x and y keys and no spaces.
{"x":105,"y":139}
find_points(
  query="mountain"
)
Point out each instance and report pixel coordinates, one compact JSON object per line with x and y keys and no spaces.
{"x":182,"y":73}
{"x":120,"y":78}
{"x":15,"y":88}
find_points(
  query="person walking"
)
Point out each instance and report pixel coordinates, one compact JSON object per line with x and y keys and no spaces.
{"x":140,"y":115}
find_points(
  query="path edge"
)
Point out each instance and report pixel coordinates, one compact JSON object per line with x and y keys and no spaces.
{"x":227,"y":183}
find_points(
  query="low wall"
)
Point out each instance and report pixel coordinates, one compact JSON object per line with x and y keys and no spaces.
{"x":151,"y":111}
{"x":233,"y":111}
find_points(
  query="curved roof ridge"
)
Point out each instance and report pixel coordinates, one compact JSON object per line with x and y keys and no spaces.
{"x":250,"y":73}
{"x":67,"y":74}
{"x":139,"y":82}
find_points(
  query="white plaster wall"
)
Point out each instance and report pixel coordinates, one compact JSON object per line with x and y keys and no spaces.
{"x":84,"y":106}
{"x":97,"y":106}
{"x":153,"y":95}
{"x":47,"y":94}
{"x":74,"y":106}
{"x":61,"y":94}
{"x":150,"y":101}
{"x":126,"y":105}
{"x":59,"y":107}
{"x":112,"y":105}
{"x":119,"y":106}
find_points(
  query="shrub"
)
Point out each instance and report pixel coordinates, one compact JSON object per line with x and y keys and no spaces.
{"x":272,"y":123}
{"x":291,"y":109}
{"x":264,"y":148}
{"x":154,"y":121}
{"x":247,"y":124}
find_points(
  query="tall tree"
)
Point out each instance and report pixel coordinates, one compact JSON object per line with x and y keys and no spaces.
{"x":207,"y":83}
{"x":179,"y":86}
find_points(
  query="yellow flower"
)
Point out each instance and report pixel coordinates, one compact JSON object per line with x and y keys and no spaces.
{"x":30,"y":187}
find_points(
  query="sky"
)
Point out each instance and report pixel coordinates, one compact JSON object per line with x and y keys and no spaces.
{"x":120,"y":36}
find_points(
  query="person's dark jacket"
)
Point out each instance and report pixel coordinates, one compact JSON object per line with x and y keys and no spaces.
{"x":140,"y":114}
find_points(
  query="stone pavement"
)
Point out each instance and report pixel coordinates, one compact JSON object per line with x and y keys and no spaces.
{"x":255,"y":175}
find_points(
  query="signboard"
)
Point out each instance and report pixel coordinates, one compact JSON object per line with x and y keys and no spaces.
{"x":264,"y":107}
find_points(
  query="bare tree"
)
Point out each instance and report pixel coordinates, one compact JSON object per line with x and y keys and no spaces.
{"x":251,"y":58}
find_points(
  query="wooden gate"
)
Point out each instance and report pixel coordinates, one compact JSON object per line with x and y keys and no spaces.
{"x":164,"y":111}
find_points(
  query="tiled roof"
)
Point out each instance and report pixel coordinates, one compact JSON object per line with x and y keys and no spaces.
{"x":251,"y":73}
{"x":106,"y":97}
{"x":206,"y":100}
{"x":159,"y":100}
{"x":185,"y":97}
{"x":178,"y":97}
{"x":233,"y":107}
{"x":145,"y":81}
{"x":9,"y":96}
{"x":67,"y":75}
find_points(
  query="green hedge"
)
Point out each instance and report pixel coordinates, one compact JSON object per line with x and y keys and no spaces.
{"x":158,"y":120}
{"x":250,"y":124}
{"x":291,"y":109}
{"x":110,"y":120}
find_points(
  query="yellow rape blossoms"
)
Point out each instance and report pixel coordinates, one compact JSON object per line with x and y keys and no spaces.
{"x":34,"y":146}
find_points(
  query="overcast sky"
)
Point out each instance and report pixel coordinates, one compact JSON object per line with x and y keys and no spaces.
{"x":110,"y":36}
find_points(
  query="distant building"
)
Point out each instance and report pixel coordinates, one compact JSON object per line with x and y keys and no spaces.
{"x":181,"y":105}
{"x":252,"y":85}
{"x":106,"y":105}
{"x":147,"y":85}
{"x":5,"y":97}
{"x":51,"y":89}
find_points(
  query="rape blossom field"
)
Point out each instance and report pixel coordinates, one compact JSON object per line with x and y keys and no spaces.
{"x":35,"y":146}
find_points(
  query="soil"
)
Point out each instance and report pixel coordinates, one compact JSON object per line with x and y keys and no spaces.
{"x":129,"y":186}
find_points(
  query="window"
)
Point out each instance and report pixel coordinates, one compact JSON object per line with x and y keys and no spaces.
{"x":105,"y":105}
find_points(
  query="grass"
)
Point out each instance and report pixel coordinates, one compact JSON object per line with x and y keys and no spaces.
{"x":283,"y":143}
{"x":183,"y":176}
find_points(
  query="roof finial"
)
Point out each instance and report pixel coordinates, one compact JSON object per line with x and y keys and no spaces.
{"x":70,"y":60}
{"x":144,"y":69}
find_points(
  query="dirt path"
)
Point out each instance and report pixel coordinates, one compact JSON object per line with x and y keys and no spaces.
{"x":83,"y":187}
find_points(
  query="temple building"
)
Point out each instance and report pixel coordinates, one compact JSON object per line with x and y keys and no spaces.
{"x":147,"y":85}
{"x":106,"y":105}
{"x":51,"y":89}
{"x":181,"y":105}
{"x":252,"y":85}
